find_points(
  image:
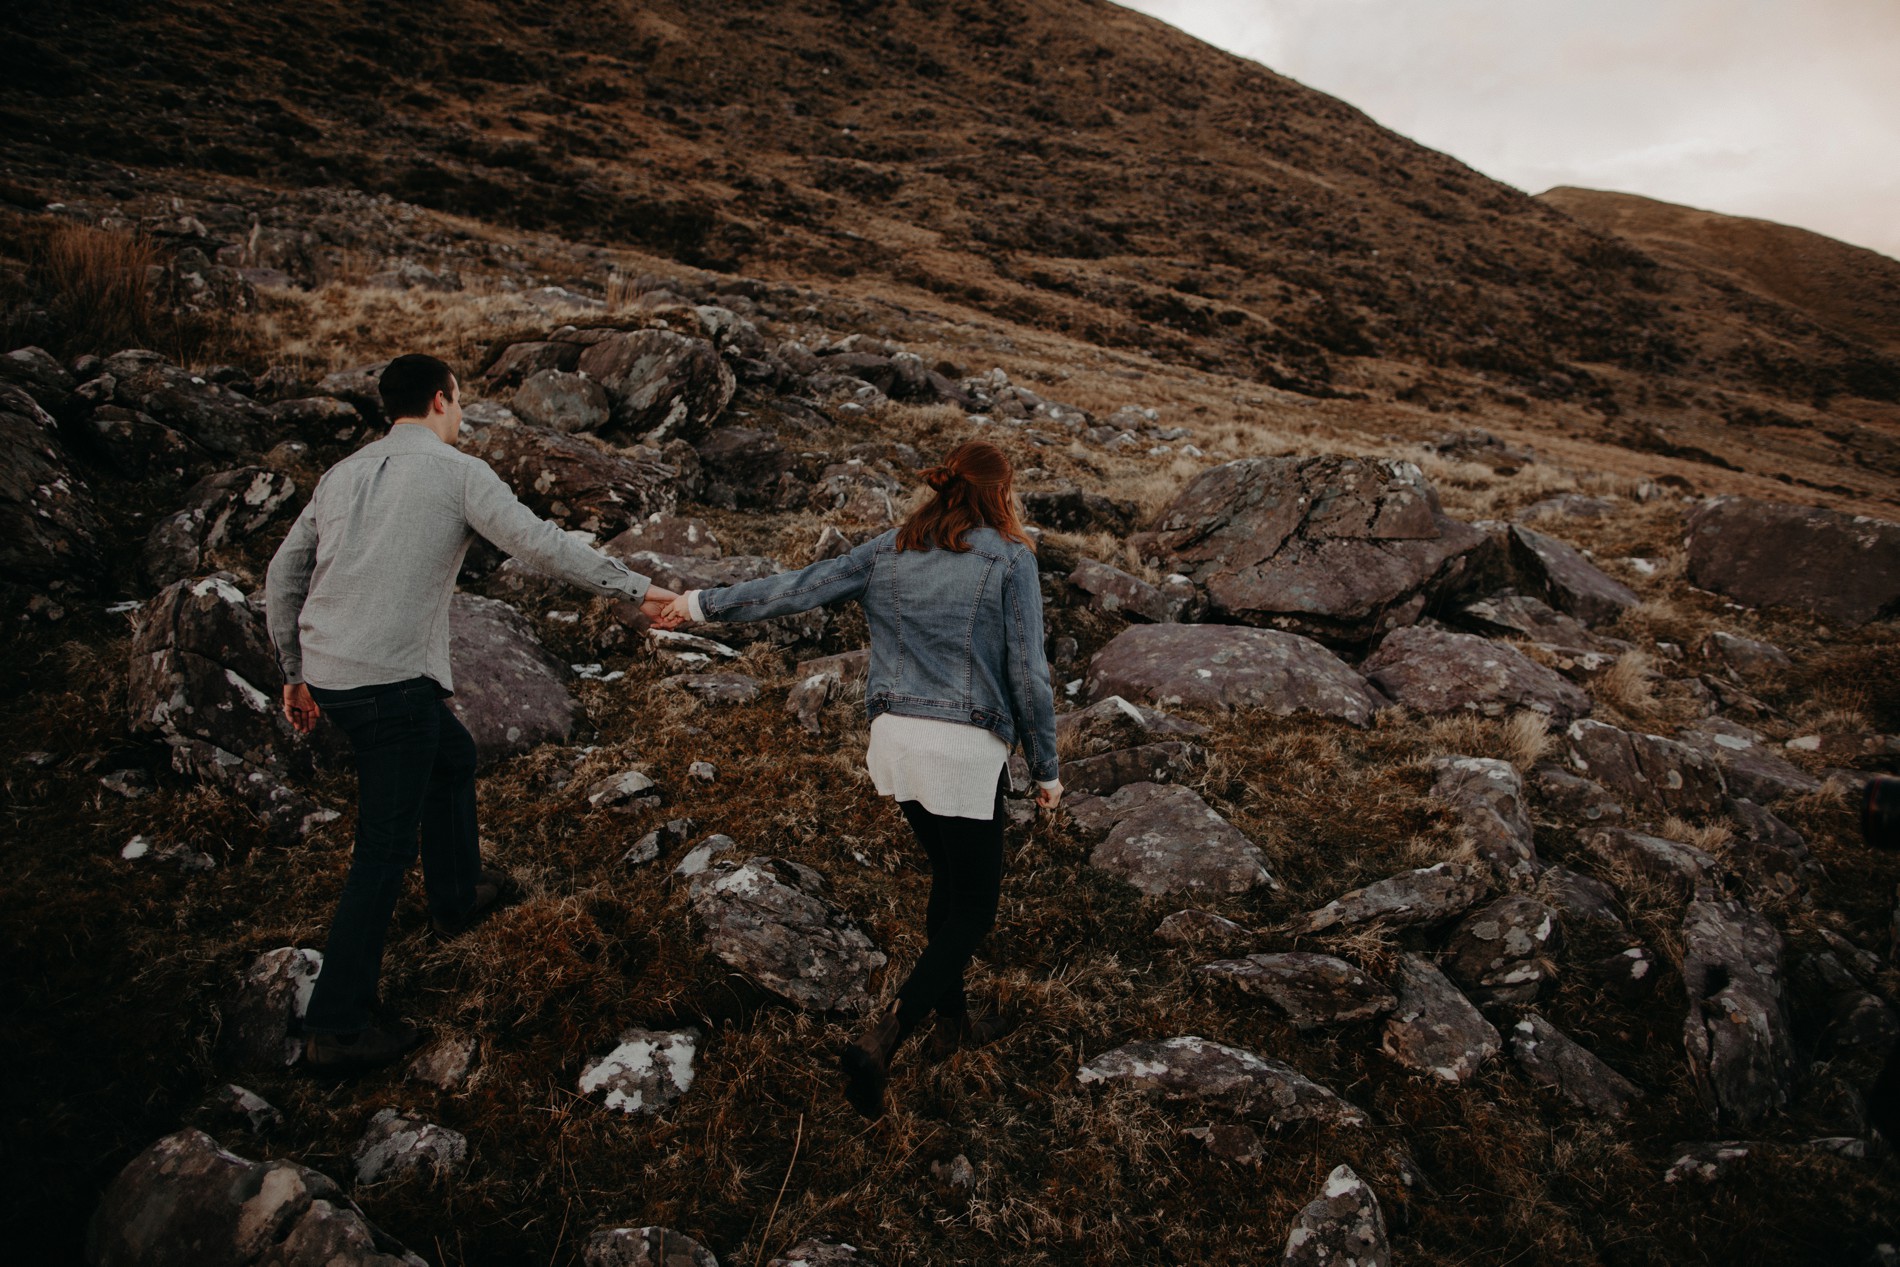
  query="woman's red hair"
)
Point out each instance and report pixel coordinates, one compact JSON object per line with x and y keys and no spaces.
{"x":974,"y":489}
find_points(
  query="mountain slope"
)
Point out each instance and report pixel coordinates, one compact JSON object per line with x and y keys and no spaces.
{"x":1847,"y":288}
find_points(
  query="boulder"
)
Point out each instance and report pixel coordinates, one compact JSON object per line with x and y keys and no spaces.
{"x":261,"y":1022}
{"x":1737,"y":1032}
{"x":1533,"y":620}
{"x":1551,"y":1058}
{"x":1165,"y":839}
{"x":1580,"y":900}
{"x":444,"y":1064}
{"x":215,"y":417}
{"x":627,"y":789}
{"x":1747,"y":657}
{"x":823,"y":680}
{"x":1312,"y":990}
{"x":1439,"y":671}
{"x":575,"y":480}
{"x":1574,"y":796}
{"x":1487,"y":795}
{"x":1339,"y":548}
{"x":667,"y":534}
{"x":1064,"y":507}
{"x":1750,"y":768}
{"x":49,"y":528}
{"x":219,"y":510}
{"x":1114,"y":592}
{"x":137,"y":446}
{"x":1772,"y":857}
{"x":1842,"y":568}
{"x":1503,"y":953}
{"x":1224,"y":667}
{"x":682,"y":573}
{"x":1434,"y":1028}
{"x":317,"y":418}
{"x":510,"y":691}
{"x":518,"y":362}
{"x":248,"y":1111}
{"x":39,"y":374}
{"x":702,"y":855}
{"x":660,"y":385}
{"x":1648,"y":771}
{"x":1170,"y":761}
{"x":397,"y":1144}
{"x":1425,"y":896}
{"x":185,"y":1202}
{"x":1568,"y":580}
{"x":1113,"y":723}
{"x":647,"y":1071}
{"x":559,"y":401}
{"x":770,"y":921}
{"x":644,"y":1247}
{"x":1218,"y":1076}
{"x":1341,"y":1227}
{"x":1684,"y":867}
{"x":1205,"y":928}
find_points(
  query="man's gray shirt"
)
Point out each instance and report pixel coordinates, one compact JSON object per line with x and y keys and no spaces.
{"x":358,"y":594}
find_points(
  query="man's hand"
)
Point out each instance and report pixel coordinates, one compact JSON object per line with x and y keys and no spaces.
{"x":300,"y":708}
{"x":676,"y":613}
{"x":654,"y":605}
{"x":1049,"y":797}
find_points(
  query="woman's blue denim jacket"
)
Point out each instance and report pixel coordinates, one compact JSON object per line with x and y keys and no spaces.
{"x":954,"y":636}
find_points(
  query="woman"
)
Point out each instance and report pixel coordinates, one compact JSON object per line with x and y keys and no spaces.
{"x":957,"y":675}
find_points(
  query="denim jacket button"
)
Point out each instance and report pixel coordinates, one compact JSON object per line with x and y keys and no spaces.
{"x":975,"y":715}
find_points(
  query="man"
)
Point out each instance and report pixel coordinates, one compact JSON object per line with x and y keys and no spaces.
{"x":358,"y":598}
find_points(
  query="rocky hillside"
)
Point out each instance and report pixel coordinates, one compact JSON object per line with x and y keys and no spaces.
{"x":1462,"y":861}
{"x":1849,"y":289}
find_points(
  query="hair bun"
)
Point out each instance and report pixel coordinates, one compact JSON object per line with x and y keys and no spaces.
{"x":940,"y":477}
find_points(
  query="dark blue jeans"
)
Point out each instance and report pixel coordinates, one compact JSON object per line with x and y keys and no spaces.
{"x":415,"y":773}
{"x":966,"y":884}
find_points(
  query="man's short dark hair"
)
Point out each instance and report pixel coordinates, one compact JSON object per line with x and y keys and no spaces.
{"x":409,"y":383}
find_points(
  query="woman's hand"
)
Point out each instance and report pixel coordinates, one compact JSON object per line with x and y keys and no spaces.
{"x":1049,"y":797}
{"x":675,"y":613}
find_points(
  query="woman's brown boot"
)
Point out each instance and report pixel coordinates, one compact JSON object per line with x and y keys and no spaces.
{"x":953,"y":1033}
{"x":867,"y":1064}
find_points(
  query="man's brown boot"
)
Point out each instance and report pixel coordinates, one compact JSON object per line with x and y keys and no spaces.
{"x":867,"y":1064}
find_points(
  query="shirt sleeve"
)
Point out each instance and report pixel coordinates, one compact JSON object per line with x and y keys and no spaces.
{"x":492,"y":509}
{"x":693,"y":608}
{"x":1032,"y":697}
{"x":286,"y":585}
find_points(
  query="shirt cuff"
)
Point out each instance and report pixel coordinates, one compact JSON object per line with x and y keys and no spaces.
{"x":1046,"y":784}
{"x":693,"y":608}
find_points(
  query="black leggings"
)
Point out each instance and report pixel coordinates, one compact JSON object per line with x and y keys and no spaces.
{"x":966,"y":882}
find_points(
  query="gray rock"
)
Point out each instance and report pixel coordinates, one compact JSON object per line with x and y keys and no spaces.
{"x":1571,"y":506}
{"x":286,"y":813}
{"x":1737,"y":1032}
{"x":701,"y":855}
{"x":666,"y":533}
{"x":319,"y":417}
{"x":661,"y":385}
{"x":1167,"y":762}
{"x":1215,"y":666}
{"x":1568,"y":580}
{"x":1435,"y":1029}
{"x":1842,"y":568}
{"x":560,"y":401}
{"x":1117,"y":593}
{"x":1630,"y":974}
{"x":576,"y":480}
{"x":250,"y":1110}
{"x":1335,"y":547}
{"x":1504,"y":952}
{"x":520,"y":361}
{"x":49,"y":527}
{"x":1551,"y":1058}
{"x":1488,"y":797}
{"x":645,"y":1247}
{"x":139,"y":446}
{"x":268,"y":1006}
{"x":1165,"y":839}
{"x":1580,"y":899}
{"x":215,"y":417}
{"x":1750,"y":767}
{"x":1341,"y":1227}
{"x":1771,"y":856}
{"x":821,"y":1252}
{"x":1576,"y":797}
{"x":443,"y":1064}
{"x":1648,"y":771}
{"x":1067,"y":508}
{"x":1204,"y":928}
{"x":858,"y":494}
{"x":715,"y":688}
{"x":398,"y":1144}
{"x":1312,"y":990}
{"x":821,"y":681}
{"x":1707,"y":1160}
{"x":510,"y":691}
{"x":1229,"y":1078}
{"x":1684,"y":867}
{"x":1230,"y":1141}
{"x":646,"y":1072}
{"x":1746,"y":656}
{"x":675,"y":831}
{"x":1424,"y":896}
{"x":769,"y":920}
{"x":219,"y":510}
{"x":1113,"y":723}
{"x":1532,"y":619}
{"x":185,"y":1202}
{"x":1439,"y":671}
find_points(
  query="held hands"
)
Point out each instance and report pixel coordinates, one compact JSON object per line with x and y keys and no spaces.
{"x":654,"y":605}
{"x":677,"y":612}
{"x":300,"y":708}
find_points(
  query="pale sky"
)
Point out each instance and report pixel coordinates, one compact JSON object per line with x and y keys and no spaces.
{"x":1787,"y":110}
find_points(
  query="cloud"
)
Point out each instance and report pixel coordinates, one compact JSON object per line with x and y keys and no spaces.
{"x":1752,"y":107}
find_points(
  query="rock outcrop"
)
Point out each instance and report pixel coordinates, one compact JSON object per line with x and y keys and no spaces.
{"x":660,"y":385}
{"x":1440,"y":671}
{"x":1551,"y":1058}
{"x":1165,"y":839}
{"x":574,"y":480}
{"x":1424,"y":896}
{"x":770,"y":921}
{"x":49,"y":528}
{"x":510,"y":691}
{"x":1737,"y":1032}
{"x":1435,"y":1029}
{"x":1842,"y":568}
{"x":645,"y":1072}
{"x":1217,"y":666}
{"x":1312,"y":990}
{"x":1341,"y":1227}
{"x":1218,"y":1076}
